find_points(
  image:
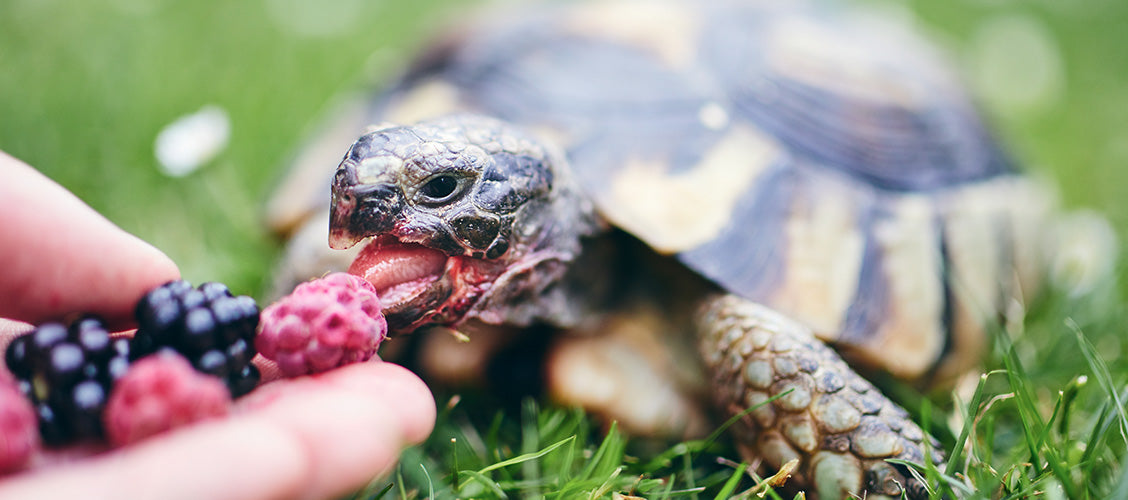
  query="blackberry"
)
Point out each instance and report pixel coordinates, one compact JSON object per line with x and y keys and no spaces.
{"x":209,"y":326}
{"x":67,"y":373}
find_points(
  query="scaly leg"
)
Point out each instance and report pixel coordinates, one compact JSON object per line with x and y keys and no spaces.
{"x":838,"y":425}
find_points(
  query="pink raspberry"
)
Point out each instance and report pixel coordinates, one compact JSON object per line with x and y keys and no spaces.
{"x":323,"y":324}
{"x":161,"y":392}
{"x":19,"y":431}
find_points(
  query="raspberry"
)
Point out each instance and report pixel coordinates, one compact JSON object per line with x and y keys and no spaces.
{"x":18,"y":432}
{"x":160,"y":393}
{"x":66,"y":373}
{"x":323,"y":324}
{"x":207,"y":325}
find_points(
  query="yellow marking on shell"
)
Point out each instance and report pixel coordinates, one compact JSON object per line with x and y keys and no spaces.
{"x":652,"y":204}
{"x":668,"y":29}
{"x":910,"y":338}
{"x":824,"y":256}
{"x":806,"y":51}
{"x":977,"y":217}
{"x":428,"y":99}
{"x":847,"y":58}
{"x":974,"y":227}
{"x":1030,"y":203}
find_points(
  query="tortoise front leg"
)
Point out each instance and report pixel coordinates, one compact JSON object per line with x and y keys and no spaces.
{"x":837,"y":424}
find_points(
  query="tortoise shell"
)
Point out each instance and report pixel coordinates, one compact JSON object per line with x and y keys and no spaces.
{"x":826,"y":165}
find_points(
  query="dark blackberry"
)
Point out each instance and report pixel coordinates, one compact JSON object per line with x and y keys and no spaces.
{"x":66,"y":373}
{"x":207,"y":325}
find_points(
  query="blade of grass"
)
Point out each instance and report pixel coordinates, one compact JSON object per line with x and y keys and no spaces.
{"x":526,"y":457}
{"x":529,"y":439}
{"x":454,"y":463}
{"x":666,"y":458}
{"x":487,"y":482}
{"x":687,"y":466}
{"x":383,"y":491}
{"x":733,"y":481}
{"x":969,"y":423}
{"x":608,"y":442}
{"x":606,"y":485}
{"x":1069,"y":396}
{"x":1104,"y":378}
{"x":564,"y":474}
{"x":1121,"y":489}
{"x":400,"y":482}
{"x":1097,"y":438}
{"x":430,"y":484}
{"x":1028,"y":414}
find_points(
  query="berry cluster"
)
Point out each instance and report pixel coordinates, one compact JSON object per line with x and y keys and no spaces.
{"x":323,"y":324}
{"x":67,"y":374}
{"x":214,"y":330}
{"x":76,"y":382}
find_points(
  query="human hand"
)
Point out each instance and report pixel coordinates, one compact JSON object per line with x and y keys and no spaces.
{"x":313,"y":437}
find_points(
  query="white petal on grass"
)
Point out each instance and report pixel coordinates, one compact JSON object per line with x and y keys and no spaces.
{"x":325,"y":18}
{"x":192,"y":140}
{"x":1016,"y":64}
{"x":1085,"y":250}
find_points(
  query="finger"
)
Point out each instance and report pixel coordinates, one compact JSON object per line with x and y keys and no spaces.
{"x":59,"y":256}
{"x":316,"y":437}
{"x":10,"y":329}
{"x":348,"y":456}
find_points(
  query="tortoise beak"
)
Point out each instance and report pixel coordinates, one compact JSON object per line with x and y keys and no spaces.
{"x":361,"y":210}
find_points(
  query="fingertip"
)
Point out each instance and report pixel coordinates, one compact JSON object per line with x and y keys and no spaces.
{"x":347,"y":440}
{"x":151,"y":268}
{"x":403,"y":390}
{"x":352,"y":422}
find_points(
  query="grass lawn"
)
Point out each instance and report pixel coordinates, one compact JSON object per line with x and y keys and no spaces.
{"x":85,"y":87}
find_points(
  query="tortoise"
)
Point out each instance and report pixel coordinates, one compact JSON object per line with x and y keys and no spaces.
{"x":762,"y":178}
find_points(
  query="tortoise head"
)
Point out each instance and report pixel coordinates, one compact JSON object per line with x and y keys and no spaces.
{"x":462,"y":217}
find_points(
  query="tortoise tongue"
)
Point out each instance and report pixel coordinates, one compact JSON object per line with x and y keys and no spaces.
{"x":398,"y":271}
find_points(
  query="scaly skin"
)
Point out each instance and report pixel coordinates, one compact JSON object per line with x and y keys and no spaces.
{"x":839,"y":426}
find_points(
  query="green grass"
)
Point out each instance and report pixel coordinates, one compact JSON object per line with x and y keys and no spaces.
{"x":1045,"y":419}
{"x":86,"y":86}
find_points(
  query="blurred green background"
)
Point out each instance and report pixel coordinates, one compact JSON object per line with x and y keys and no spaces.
{"x":85,"y":87}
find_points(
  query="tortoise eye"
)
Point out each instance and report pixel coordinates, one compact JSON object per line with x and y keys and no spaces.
{"x":439,"y":188}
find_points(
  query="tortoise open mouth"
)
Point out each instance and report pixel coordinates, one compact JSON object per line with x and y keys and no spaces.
{"x":408,"y":277}
{"x":398,"y":270}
